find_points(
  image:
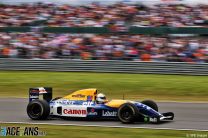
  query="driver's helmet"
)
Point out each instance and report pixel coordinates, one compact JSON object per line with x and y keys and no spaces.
{"x":101,"y":98}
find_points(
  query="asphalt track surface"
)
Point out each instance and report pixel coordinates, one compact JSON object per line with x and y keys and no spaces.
{"x":188,"y":116}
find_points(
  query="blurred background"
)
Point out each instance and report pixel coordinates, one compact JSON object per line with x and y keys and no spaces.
{"x":136,"y":30}
{"x":111,"y":36}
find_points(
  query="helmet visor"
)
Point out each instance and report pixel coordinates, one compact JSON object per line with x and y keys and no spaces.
{"x":103,"y":98}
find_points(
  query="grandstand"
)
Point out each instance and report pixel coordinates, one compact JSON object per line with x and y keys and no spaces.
{"x":95,"y":31}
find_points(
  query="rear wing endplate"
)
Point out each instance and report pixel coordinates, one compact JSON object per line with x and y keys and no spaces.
{"x":46,"y":92}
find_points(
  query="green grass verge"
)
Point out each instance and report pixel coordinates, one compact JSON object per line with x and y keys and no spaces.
{"x":103,"y":132}
{"x":114,"y":85}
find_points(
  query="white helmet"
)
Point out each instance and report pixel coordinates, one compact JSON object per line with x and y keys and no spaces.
{"x":101,"y":98}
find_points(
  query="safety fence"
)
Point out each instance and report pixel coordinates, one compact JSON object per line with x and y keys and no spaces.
{"x":105,"y":66}
{"x":106,"y":30}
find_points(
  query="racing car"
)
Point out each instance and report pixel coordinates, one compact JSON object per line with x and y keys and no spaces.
{"x":88,"y":104}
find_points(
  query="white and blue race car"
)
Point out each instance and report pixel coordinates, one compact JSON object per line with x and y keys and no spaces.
{"x":83,"y":104}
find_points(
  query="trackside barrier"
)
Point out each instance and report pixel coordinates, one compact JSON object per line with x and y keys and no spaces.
{"x":104,"y":66}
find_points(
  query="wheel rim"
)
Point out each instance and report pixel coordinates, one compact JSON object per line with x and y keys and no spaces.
{"x":126,"y":113}
{"x":35,"y":110}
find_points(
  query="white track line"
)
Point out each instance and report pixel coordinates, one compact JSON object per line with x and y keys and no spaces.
{"x":57,"y":124}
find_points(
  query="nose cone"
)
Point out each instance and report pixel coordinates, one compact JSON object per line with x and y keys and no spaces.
{"x":148,"y":111}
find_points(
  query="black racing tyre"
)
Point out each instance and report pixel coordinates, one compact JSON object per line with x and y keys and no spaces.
{"x":38,"y":110}
{"x":127,"y":113}
{"x":151,"y":104}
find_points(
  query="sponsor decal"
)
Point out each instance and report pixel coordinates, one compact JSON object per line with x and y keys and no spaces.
{"x":52,"y":103}
{"x":89,"y":98}
{"x":149,"y":119}
{"x":87,"y":103}
{"x":34,"y":96}
{"x":146,"y":119}
{"x":74,"y":111}
{"x":153,"y":120}
{"x":34,"y":90}
{"x":92,"y":112}
{"x":144,"y":106}
{"x":148,"y":108}
{"x":66,"y":102}
{"x":109,"y":113}
{"x":39,"y":90}
{"x":42,"y":90}
{"x":78,"y":96}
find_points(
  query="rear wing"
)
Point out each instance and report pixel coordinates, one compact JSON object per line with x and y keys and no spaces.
{"x":46,"y":92}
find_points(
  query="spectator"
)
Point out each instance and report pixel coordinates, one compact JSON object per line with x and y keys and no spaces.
{"x":103,"y":47}
{"x":117,"y":17}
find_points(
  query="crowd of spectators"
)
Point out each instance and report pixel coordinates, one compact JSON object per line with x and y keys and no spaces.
{"x":95,"y":15}
{"x":23,"y":15}
{"x":172,"y":15}
{"x":103,"y":47}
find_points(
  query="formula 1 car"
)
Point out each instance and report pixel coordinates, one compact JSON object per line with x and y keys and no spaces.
{"x":82,"y":104}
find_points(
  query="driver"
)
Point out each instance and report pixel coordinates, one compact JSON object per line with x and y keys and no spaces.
{"x":101,"y":99}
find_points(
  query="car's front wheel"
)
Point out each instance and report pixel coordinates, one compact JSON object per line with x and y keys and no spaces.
{"x":127,"y":113}
{"x":38,"y":110}
{"x":151,"y":104}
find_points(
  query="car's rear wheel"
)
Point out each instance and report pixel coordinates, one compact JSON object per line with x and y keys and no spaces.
{"x":127,"y":113}
{"x":38,"y":110}
{"x":151,"y":104}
